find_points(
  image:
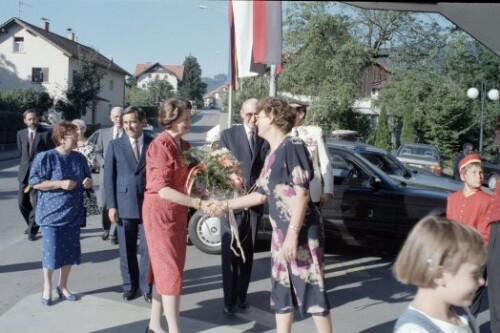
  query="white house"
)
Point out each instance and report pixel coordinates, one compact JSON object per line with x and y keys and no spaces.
{"x":214,"y":97}
{"x":155,"y":71}
{"x":35,"y":57}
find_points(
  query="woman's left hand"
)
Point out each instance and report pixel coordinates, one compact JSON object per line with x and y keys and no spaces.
{"x":87,"y":182}
{"x":289,"y":248}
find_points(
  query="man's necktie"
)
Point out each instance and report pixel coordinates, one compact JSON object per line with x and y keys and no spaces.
{"x":295,"y":132}
{"x":30,"y":142}
{"x":135,"y":148}
{"x":116,"y":133}
{"x":251,"y":142}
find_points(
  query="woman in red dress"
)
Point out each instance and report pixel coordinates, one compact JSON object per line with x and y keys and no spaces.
{"x":165,"y":210}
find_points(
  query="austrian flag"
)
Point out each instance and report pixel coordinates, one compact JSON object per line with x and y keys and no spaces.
{"x":255,"y":36}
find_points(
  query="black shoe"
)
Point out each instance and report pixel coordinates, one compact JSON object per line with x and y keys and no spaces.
{"x":129,"y":295}
{"x":147,"y":297}
{"x":228,"y":310}
{"x":243,"y":305}
{"x":26,"y":231}
{"x":105,"y":235}
{"x":32,"y":237}
{"x":114,"y":240}
{"x":148,"y":330}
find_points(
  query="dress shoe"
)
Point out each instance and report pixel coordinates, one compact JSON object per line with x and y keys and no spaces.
{"x":228,"y":310}
{"x":25,"y":231}
{"x":147,"y":297}
{"x":69,"y":297}
{"x":105,"y":235}
{"x":129,"y":294}
{"x":243,"y":305}
{"x":114,"y":240}
{"x":32,"y":238}
{"x":46,"y":301}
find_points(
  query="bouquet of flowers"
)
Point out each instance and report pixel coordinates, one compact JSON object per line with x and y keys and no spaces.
{"x":217,"y":174}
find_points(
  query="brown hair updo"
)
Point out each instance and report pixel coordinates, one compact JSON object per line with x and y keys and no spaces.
{"x":283,"y":114}
{"x":171,"y":109}
{"x":62,"y":129}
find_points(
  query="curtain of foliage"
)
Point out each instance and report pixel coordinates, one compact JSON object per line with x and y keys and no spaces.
{"x":156,"y":91}
{"x":19,"y":100}
{"x":83,"y":90}
{"x":191,"y":86}
{"x":383,"y":133}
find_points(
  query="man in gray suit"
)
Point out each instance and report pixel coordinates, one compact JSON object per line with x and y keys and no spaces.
{"x":106,"y":135}
{"x":124,"y":184}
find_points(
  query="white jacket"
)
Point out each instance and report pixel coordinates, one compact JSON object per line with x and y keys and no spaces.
{"x":323,"y":172}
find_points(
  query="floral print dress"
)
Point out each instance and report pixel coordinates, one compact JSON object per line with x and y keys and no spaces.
{"x":299,"y":283}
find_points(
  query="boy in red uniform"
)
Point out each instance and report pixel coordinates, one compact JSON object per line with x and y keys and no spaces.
{"x":480,"y":210}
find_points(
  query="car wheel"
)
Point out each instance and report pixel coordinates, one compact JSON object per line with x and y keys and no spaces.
{"x":204,"y":233}
{"x":492,"y":181}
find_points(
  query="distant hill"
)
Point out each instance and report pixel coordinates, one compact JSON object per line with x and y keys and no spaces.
{"x":214,"y":82}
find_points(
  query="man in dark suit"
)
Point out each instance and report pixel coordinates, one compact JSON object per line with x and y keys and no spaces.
{"x":250,"y":150}
{"x":124,"y":185}
{"x":106,"y":135}
{"x":30,"y":141}
{"x":467,"y":148}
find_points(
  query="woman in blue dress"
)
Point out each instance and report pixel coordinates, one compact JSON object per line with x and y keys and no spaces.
{"x":297,"y":245}
{"x":60,"y":175}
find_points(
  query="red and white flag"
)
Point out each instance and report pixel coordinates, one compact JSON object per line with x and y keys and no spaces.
{"x":255,"y":36}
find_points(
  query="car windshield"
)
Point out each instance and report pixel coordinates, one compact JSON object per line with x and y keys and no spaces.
{"x":427,"y":152}
{"x":384,"y":162}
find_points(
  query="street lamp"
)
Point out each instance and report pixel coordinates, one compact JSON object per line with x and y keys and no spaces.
{"x":493,"y":95}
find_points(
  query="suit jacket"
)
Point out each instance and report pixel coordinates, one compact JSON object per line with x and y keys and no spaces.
{"x":41,"y":142}
{"x":105,"y":136}
{"x":125,"y":178}
{"x":323,"y":172}
{"x":235,"y":139}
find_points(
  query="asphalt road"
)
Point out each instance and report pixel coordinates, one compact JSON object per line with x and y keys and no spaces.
{"x":361,"y":290}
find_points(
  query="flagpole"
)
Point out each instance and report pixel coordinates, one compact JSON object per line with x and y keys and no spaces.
{"x":272,"y":82}
{"x":230,"y":106}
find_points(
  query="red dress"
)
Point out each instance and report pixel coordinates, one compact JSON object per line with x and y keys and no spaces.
{"x":165,"y":223}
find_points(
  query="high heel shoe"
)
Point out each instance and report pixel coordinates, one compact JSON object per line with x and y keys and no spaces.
{"x":148,"y":330}
{"x":70,"y":297}
{"x":46,"y":301}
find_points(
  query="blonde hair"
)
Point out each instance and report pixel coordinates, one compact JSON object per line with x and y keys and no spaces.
{"x":437,"y":242}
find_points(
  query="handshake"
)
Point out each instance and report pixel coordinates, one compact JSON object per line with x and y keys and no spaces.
{"x":214,"y":207}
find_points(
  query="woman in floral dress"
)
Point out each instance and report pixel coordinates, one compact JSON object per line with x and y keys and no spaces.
{"x":297,"y":246}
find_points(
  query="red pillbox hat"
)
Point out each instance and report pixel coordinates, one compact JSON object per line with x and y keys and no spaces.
{"x":471,"y":158}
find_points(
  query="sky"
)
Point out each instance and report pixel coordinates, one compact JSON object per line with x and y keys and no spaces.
{"x":137,"y":31}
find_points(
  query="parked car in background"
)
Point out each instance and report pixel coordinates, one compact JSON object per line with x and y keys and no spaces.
{"x":389,"y":164}
{"x":368,"y":206}
{"x":420,"y":155}
{"x":491,"y":168}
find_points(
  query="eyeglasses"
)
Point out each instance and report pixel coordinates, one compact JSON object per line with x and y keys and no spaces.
{"x":250,"y":115}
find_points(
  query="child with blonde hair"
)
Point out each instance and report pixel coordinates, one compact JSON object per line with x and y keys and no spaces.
{"x":443,"y":260}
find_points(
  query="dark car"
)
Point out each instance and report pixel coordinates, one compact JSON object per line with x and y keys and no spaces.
{"x":399,"y":171}
{"x":420,"y":155}
{"x":368,"y":206}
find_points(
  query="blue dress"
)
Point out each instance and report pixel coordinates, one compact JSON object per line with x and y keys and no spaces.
{"x":60,"y":212}
{"x":299,"y":283}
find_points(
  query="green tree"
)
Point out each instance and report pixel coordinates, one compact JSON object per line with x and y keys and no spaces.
{"x":83,"y":90}
{"x":18,"y":100}
{"x":191,"y":86}
{"x":383,"y":133}
{"x":156,"y":91}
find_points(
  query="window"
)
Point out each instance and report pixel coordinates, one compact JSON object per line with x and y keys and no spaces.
{"x":39,"y":74}
{"x":18,"y":44}
{"x":111,"y":85}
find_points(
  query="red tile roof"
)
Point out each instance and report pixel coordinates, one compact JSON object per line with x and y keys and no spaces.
{"x":177,"y":70}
